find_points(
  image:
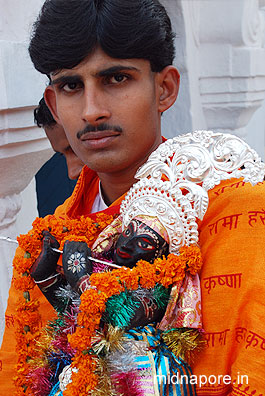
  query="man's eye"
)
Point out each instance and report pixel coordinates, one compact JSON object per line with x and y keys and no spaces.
{"x":70,"y":87}
{"x":117,"y":79}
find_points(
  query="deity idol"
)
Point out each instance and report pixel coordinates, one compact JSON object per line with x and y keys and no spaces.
{"x":151,"y":322}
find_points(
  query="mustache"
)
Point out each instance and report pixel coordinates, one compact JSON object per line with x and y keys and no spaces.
{"x":100,"y":127}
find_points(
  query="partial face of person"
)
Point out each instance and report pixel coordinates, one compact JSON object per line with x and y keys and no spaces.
{"x":138,"y":242}
{"x":110,"y":110}
{"x":60,"y":144}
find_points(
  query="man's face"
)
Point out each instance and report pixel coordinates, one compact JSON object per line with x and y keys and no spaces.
{"x":60,"y":144}
{"x":109,"y":109}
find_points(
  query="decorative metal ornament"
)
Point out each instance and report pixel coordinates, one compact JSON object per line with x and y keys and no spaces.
{"x":76,"y":262}
{"x":174,"y":181}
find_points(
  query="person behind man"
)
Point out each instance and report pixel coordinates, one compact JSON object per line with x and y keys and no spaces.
{"x":110,"y":64}
{"x":57,"y":178}
{"x":56,"y":135}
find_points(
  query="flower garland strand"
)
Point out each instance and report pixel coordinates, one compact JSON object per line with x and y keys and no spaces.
{"x":28,"y":319}
{"x":165,"y":271}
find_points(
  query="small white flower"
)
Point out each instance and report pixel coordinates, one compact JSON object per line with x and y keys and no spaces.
{"x":76,"y":262}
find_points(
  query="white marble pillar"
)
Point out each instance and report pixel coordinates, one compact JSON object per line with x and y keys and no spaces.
{"x":23,"y":147}
{"x":187,"y":113}
{"x":231,"y":61}
{"x":221,"y":56}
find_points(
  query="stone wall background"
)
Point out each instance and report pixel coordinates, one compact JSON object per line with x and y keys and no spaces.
{"x":220,"y":55}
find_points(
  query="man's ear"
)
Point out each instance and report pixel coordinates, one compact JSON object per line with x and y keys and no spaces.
{"x":50,"y":100}
{"x":168,"y":80}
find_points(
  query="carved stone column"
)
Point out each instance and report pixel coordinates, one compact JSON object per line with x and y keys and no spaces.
{"x":187,"y":114}
{"x":23,"y":147}
{"x":220,"y":55}
{"x":232,"y":59}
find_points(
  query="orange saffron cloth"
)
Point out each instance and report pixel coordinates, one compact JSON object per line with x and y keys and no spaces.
{"x":232,"y":241}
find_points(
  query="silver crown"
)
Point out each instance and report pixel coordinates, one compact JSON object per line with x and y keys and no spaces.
{"x":174,"y":181}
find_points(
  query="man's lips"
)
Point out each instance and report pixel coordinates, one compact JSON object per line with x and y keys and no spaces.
{"x":122,"y":254}
{"x":99,"y":140}
{"x":98,"y":135}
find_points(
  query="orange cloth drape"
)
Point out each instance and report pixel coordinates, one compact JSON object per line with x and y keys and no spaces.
{"x":232,"y":240}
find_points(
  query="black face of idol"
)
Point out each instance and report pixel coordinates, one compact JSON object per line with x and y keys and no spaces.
{"x":138,"y":242}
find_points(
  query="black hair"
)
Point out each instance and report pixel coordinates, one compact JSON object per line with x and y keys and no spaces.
{"x":67,"y":31}
{"x":42,"y":115}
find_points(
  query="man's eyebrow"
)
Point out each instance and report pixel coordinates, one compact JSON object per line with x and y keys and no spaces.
{"x":115,"y":69}
{"x":66,"y":79}
{"x":102,"y":73}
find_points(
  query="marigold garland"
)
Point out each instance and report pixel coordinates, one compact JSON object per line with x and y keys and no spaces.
{"x":164,"y":271}
{"x":28,"y":320}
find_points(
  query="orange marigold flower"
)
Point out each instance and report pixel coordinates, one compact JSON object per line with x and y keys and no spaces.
{"x":24,"y":283}
{"x":170,"y":270}
{"x":193,"y":258}
{"x":21,"y":264}
{"x":146,"y":273}
{"x":107,"y":282}
{"x":92,"y":301}
{"x":39,"y":224}
{"x":128,"y":278}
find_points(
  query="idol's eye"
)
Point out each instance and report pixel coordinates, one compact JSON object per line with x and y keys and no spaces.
{"x":145,"y":244}
{"x":127,"y":232}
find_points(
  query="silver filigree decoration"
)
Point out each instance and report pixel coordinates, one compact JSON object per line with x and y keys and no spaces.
{"x":174,"y":181}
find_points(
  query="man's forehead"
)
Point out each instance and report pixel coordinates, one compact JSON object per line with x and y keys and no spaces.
{"x":98,"y":61}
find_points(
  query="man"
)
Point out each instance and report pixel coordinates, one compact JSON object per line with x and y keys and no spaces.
{"x":110,"y":64}
{"x":56,"y":135}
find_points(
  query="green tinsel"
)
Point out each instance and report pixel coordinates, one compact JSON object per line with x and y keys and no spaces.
{"x":120,"y":309}
{"x":161,"y":295}
{"x":57,"y":324}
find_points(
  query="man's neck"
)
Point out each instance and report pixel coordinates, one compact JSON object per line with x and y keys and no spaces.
{"x":114,"y":186}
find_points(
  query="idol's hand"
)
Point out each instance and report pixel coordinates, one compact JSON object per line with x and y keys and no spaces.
{"x":147,"y":311}
{"x":44,"y":272}
{"x":76,"y":264}
{"x":46,"y":263}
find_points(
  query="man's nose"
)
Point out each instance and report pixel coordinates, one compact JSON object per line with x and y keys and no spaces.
{"x":95,"y":106}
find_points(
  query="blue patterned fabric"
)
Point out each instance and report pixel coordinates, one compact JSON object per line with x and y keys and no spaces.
{"x":172,"y":373}
{"x":55,"y":389}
